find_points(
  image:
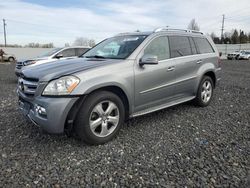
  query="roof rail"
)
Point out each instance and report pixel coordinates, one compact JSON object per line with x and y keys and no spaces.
{"x":171,"y":29}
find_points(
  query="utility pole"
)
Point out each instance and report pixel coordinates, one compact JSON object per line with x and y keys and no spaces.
{"x":240,"y":39}
{"x":4,"y":30}
{"x":222,"y":28}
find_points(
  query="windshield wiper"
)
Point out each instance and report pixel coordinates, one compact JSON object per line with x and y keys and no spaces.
{"x":95,"y":56}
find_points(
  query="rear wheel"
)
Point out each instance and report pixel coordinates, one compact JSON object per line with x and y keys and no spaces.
{"x":205,"y":92}
{"x":100,"y":118}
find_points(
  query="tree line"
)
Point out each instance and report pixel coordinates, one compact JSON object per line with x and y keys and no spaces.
{"x":79,"y":41}
{"x":233,"y":37}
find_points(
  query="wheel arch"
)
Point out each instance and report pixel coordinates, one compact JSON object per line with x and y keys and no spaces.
{"x":120,"y":93}
{"x":76,"y":107}
{"x":212,"y":75}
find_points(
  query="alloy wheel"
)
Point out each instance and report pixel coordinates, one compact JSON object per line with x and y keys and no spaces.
{"x":206,"y":92}
{"x":104,"y":118}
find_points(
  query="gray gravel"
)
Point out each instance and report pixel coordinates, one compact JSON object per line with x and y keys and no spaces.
{"x":177,"y":147}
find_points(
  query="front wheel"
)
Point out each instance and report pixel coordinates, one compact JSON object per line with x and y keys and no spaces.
{"x":205,"y":92}
{"x":100,"y":118}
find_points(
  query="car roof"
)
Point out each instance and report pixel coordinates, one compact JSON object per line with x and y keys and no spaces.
{"x":167,"y":31}
{"x":76,"y":47}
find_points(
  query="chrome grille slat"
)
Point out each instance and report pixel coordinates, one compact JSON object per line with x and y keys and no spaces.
{"x":19,"y":65}
{"x":27,"y":87}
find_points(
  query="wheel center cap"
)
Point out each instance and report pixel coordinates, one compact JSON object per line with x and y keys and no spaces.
{"x":104,"y":118}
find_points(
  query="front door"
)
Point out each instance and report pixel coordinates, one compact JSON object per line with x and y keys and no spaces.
{"x":154,"y":83}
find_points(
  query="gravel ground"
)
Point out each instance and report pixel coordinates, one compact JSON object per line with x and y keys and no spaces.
{"x":177,"y":147}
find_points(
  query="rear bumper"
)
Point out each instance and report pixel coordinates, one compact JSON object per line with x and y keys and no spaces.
{"x":57,"y":110}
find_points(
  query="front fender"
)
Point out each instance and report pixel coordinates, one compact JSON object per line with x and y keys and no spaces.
{"x":89,"y":85}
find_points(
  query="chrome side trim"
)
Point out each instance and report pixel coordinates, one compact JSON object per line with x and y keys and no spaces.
{"x":166,"y":85}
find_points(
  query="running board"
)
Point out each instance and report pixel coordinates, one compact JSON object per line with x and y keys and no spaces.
{"x":162,"y":106}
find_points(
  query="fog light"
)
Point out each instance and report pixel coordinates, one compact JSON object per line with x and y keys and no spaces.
{"x":40,"y":110}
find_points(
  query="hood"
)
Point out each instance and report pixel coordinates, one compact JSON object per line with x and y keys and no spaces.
{"x":52,"y":70}
{"x":32,"y":59}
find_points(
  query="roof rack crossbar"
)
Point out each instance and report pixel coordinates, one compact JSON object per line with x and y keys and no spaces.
{"x":172,"y":29}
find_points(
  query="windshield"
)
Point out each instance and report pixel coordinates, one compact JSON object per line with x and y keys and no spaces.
{"x":119,"y":47}
{"x":51,"y":52}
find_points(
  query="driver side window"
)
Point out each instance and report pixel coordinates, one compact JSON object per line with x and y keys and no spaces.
{"x":158,"y":47}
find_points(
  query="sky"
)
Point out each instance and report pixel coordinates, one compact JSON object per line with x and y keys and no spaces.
{"x":60,"y":22}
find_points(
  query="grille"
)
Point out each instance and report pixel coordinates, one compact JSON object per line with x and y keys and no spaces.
{"x":27,"y":87}
{"x":19,"y":65}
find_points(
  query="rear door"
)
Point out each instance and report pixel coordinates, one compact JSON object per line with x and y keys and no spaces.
{"x":187,"y":62}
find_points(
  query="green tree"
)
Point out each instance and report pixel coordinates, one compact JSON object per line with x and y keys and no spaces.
{"x":235,"y":37}
{"x":243,"y":37}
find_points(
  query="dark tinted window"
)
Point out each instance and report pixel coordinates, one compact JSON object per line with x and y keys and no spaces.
{"x":179,"y":46}
{"x":80,"y":51}
{"x":68,"y":52}
{"x":158,"y":47}
{"x":203,"y":45}
{"x":193,"y":47}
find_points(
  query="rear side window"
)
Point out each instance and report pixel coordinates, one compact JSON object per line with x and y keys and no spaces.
{"x":68,"y":52}
{"x":158,"y":47}
{"x":81,"y":51}
{"x":193,"y":47}
{"x":179,"y":46}
{"x":203,"y":45}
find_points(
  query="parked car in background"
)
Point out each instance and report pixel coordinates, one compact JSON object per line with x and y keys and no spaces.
{"x":53,"y":55}
{"x":9,"y":57}
{"x":235,"y":54}
{"x":245,"y":55}
{"x":124,"y":76}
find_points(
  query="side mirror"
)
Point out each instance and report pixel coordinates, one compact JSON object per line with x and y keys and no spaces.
{"x":148,"y":60}
{"x":58,"y":56}
{"x":220,"y":54}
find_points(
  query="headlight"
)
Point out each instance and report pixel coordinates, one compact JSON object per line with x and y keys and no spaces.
{"x":62,"y":86}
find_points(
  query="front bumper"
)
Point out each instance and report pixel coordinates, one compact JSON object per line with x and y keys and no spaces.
{"x":57,"y":109}
{"x":17,"y":71}
{"x":243,"y":57}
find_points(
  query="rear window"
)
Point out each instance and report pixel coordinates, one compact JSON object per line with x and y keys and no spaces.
{"x":179,"y":46}
{"x":203,"y":45}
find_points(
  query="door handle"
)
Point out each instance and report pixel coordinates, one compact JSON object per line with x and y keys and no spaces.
{"x":199,"y":61}
{"x":171,"y":68}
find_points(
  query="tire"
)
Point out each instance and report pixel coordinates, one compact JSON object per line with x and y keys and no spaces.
{"x":11,"y":59}
{"x":94,"y":110}
{"x":205,"y":92}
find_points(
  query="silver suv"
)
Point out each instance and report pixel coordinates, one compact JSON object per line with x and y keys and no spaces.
{"x":125,"y":76}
